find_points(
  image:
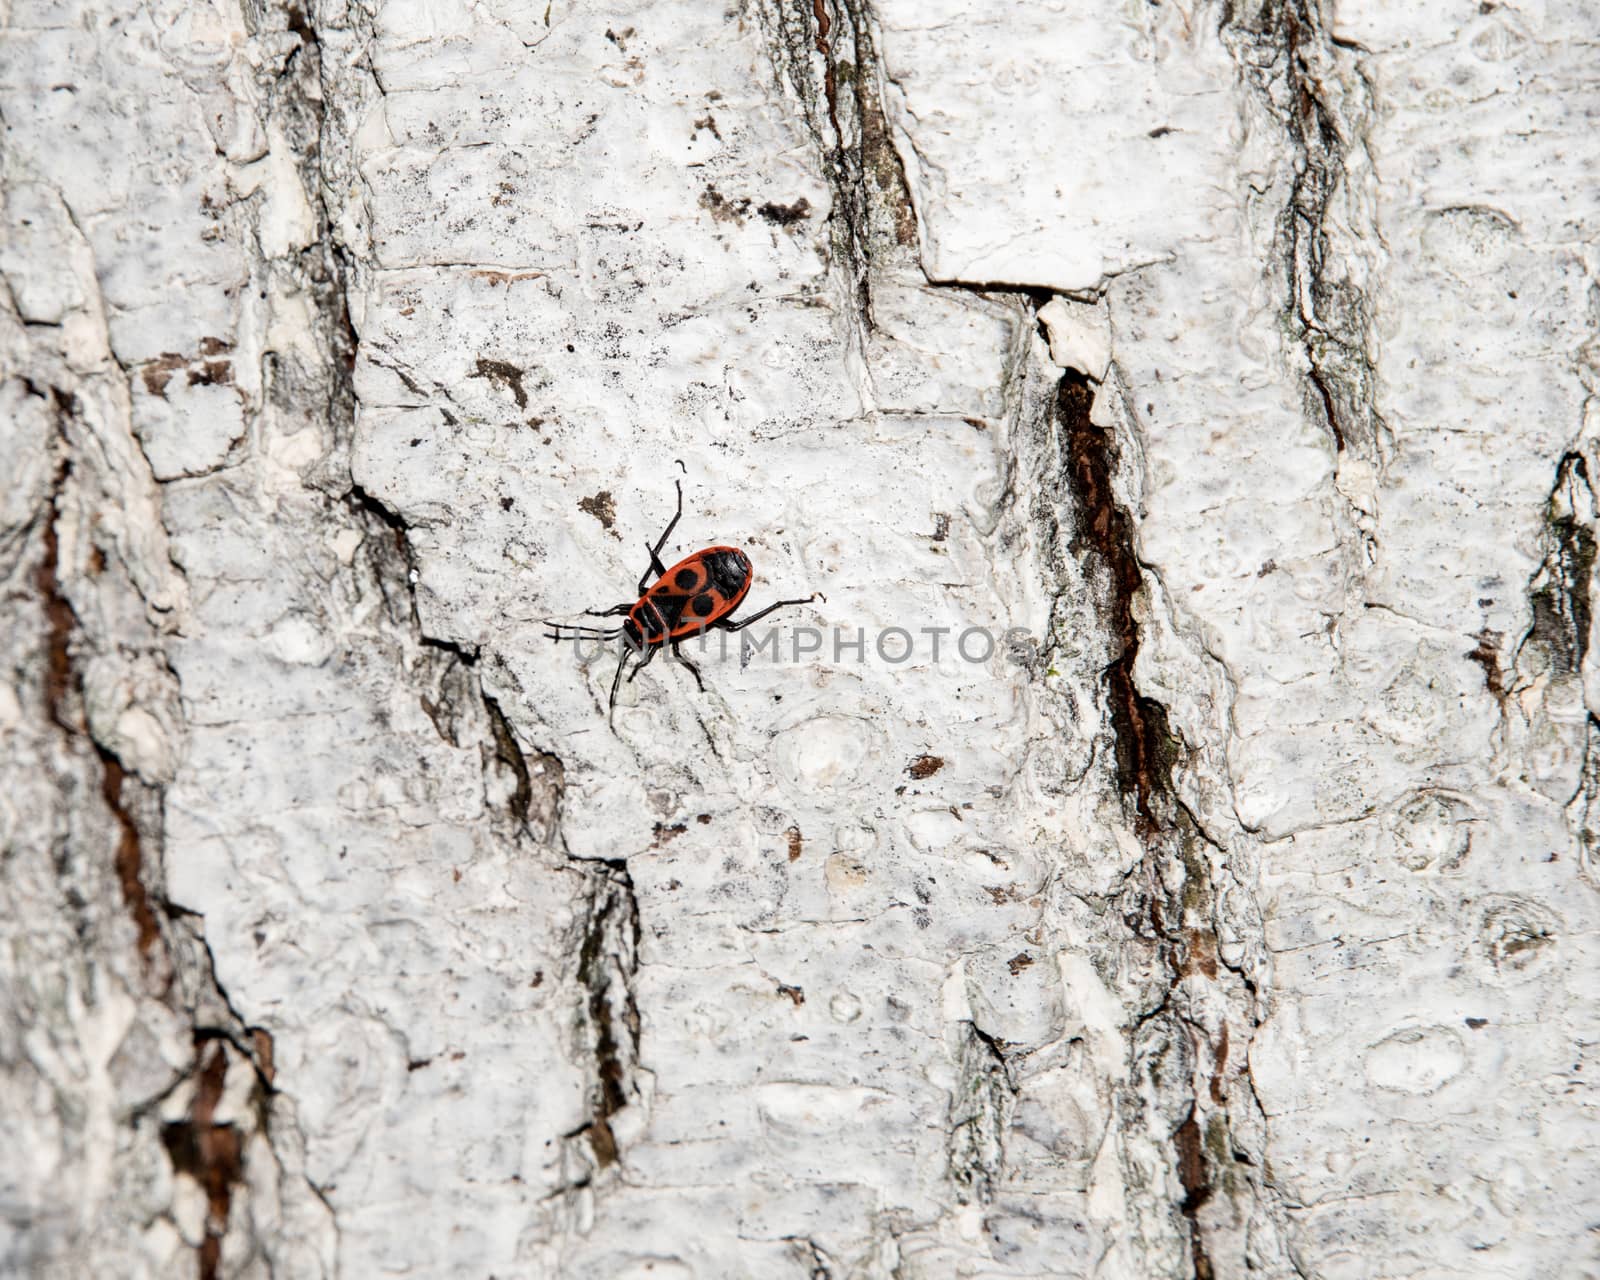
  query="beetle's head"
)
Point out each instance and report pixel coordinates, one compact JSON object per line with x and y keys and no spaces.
{"x":729,"y":571}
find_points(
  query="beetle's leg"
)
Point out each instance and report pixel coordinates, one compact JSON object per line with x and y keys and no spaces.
{"x":656,"y":566}
{"x":643,"y":662}
{"x":615,"y":611}
{"x":677,"y":656}
{"x":756,"y":617}
{"x":611,"y":705}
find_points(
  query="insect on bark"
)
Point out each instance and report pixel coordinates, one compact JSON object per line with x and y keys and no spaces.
{"x":696,"y":595}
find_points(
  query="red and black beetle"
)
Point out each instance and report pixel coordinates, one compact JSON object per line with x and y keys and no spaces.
{"x":696,"y":595}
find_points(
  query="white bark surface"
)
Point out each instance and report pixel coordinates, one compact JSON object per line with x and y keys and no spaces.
{"x":1237,"y":916}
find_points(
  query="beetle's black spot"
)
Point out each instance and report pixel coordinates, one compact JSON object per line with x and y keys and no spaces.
{"x":686,"y":578}
{"x":703,"y":605}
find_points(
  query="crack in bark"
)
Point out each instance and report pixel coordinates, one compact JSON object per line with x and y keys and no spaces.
{"x":63,"y":694}
{"x":813,"y":1257}
{"x":210,"y":1153}
{"x":535,"y":811}
{"x":1145,"y":747}
{"x":1286,"y":54}
{"x":198,"y":1146}
{"x":61,"y":620}
{"x":1146,"y":750}
{"x":509,"y":754}
{"x":872,"y":216}
{"x":1584,"y":808}
{"x":130,"y":851}
{"x":391,"y":558}
{"x":608,"y":959}
{"x":980,"y":1110}
{"x":1560,"y":591}
{"x":1172,"y":897}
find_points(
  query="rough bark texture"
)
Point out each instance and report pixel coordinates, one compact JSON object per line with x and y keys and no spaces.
{"x":1236,"y":916}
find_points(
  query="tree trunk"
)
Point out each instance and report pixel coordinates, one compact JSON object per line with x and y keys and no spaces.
{"x":1204,"y":390}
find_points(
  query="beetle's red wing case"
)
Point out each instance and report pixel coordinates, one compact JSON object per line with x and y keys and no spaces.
{"x":695,"y":594}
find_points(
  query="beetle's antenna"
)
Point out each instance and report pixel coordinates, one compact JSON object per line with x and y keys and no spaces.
{"x":679,"y":461}
{"x":574,"y":631}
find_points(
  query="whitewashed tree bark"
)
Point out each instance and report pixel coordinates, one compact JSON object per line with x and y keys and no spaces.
{"x":1240,"y":920}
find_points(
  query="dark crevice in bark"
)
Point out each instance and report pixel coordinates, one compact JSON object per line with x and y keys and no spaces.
{"x":1145,"y":747}
{"x":608,"y":959}
{"x":388,"y":517}
{"x":1183,"y":901}
{"x":1192,"y":1167}
{"x":452,"y":694}
{"x":210,"y":1152}
{"x":300,"y":100}
{"x":1172,"y":900}
{"x":980,"y":1111}
{"x":1034,"y":297}
{"x":1585,"y":804}
{"x":130,"y":851}
{"x":1560,"y":591}
{"x":63,"y":694}
{"x":830,"y":76}
{"x":1284,"y":52}
{"x":872,"y":214}
{"x":213,"y":1153}
{"x":890,"y":217}
{"x":390,"y":557}
{"x":509,"y":754}
{"x":537,"y":784}
{"x":1557,"y":640}
{"x":61,"y":622}
{"x":1196,"y":1180}
{"x":539,"y":777}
